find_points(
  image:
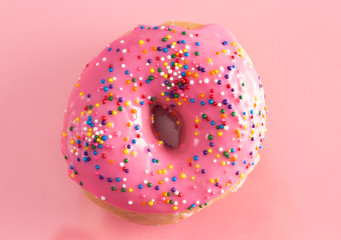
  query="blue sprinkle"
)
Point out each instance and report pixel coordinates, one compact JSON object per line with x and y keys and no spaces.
{"x":137,"y":127}
{"x":212,"y":122}
{"x":186,"y":54}
{"x":197,"y":43}
{"x":106,"y":89}
{"x":195,"y":157}
{"x":165,"y":50}
{"x":118,"y":179}
{"x":97,"y":167}
{"x":102,"y":81}
{"x":192,"y":100}
{"x":140,"y":186}
{"x":174,"y":179}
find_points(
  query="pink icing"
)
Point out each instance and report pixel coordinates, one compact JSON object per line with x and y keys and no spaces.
{"x":108,"y":141}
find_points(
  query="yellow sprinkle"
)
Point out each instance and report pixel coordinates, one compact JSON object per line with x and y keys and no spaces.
{"x":64,"y":134}
{"x":97,"y":105}
{"x":224,"y":51}
{"x":126,"y":151}
{"x":89,"y":134}
{"x":130,"y":189}
{"x":170,"y":166}
{"x":220,"y":134}
{"x":72,"y":141}
{"x":111,"y":80}
{"x":223,"y":163}
{"x":169,"y":37}
{"x":209,"y":150}
{"x":182,"y":175}
{"x":114,"y":113}
{"x":241,"y":175}
{"x":197,"y":166}
{"x":175,"y":207}
{"x":197,"y":120}
{"x":196,"y":133}
{"x":233,"y":44}
{"x":141,"y":42}
{"x":82,"y":113}
{"x":133,"y":153}
{"x":81,"y":94}
{"x":152,"y":70}
{"x":192,"y":178}
{"x":227,"y":184}
{"x":127,"y":103}
{"x":212,"y":180}
{"x":72,"y":175}
{"x":109,"y":124}
{"x":159,"y":171}
{"x":89,"y":112}
{"x":150,"y":203}
{"x":77,"y":85}
{"x":77,"y":119}
{"x":164,"y":171}
{"x":209,"y":60}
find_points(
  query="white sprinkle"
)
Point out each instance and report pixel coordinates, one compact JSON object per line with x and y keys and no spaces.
{"x":130,"y":202}
{"x":121,"y":164}
{"x":145,"y":181}
{"x":147,"y":171}
{"x":123,"y":65}
{"x":124,"y":186}
{"x":124,"y":50}
{"x":184,"y":201}
{"x":122,"y":41}
{"x":124,"y":179}
{"x":97,"y":64}
{"x":226,"y":128}
{"x":104,"y":59}
{"x":197,"y":202}
{"x":221,"y":149}
{"x":103,"y":198}
{"x":206,"y":80}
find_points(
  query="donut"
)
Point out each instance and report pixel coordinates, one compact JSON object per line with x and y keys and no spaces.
{"x":164,"y":121}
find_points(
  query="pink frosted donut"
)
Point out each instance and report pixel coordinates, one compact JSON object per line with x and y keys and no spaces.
{"x":205,"y":81}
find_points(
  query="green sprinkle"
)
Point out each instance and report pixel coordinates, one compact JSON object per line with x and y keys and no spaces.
{"x":210,"y":137}
{"x":233,"y":114}
{"x":196,"y":53}
{"x":126,"y":160}
{"x":113,"y":188}
{"x":120,"y":108}
{"x":149,"y":184}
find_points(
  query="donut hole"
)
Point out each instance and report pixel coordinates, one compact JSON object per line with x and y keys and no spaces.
{"x":166,"y":126}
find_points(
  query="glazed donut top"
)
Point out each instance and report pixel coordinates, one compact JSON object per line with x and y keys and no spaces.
{"x":205,"y":79}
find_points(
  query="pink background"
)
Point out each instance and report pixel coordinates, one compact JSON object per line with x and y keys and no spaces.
{"x":295,"y":191}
